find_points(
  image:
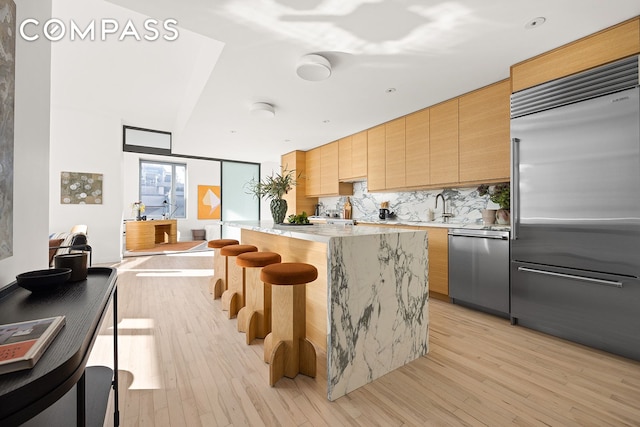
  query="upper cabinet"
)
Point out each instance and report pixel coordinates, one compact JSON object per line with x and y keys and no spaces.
{"x":352,"y":157}
{"x":395,"y":154}
{"x":297,"y":202}
{"x":322,"y":177}
{"x":484,"y":142}
{"x":443,"y":143}
{"x":376,"y":168}
{"x":605,"y":46}
{"x":417,"y":149}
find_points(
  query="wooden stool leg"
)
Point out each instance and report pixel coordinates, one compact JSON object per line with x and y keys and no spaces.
{"x":307,"y":358}
{"x":252,"y":327}
{"x":243,"y":319}
{"x":268,"y":347}
{"x":219,"y":279}
{"x":233,"y":297}
{"x":277,"y":363}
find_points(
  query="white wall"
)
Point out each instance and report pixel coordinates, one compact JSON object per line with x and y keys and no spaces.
{"x":84,"y":141}
{"x":31,"y":155}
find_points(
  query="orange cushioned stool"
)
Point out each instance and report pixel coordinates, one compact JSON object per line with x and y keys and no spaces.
{"x":233,"y":296}
{"x":255,"y":317}
{"x":286,"y":348}
{"x":219,"y":279}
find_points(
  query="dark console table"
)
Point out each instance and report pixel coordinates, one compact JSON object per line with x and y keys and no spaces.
{"x":60,"y":389}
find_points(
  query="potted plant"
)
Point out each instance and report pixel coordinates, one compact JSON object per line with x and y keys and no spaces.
{"x":500,"y":195}
{"x":273,"y":188}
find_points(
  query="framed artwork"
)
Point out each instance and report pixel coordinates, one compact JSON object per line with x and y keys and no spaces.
{"x":7,"y":92}
{"x":208,"y":202}
{"x":80,"y":188}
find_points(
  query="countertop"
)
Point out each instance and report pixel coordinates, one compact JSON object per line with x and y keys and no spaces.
{"x":315,"y":232}
{"x":397,"y":222}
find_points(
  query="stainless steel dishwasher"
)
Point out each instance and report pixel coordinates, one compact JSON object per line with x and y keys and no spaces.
{"x":479,"y":269}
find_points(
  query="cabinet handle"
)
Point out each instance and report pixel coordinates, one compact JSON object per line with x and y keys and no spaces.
{"x":574,"y":277}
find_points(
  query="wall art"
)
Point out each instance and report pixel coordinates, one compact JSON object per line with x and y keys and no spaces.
{"x":208,"y":202}
{"x":80,"y":188}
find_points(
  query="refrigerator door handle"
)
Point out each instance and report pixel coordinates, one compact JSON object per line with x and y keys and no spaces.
{"x":515,"y":186}
{"x":571,"y":276}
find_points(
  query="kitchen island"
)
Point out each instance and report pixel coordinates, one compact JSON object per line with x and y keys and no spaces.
{"x":368,"y":309}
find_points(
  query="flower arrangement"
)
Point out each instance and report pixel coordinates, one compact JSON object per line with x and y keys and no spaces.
{"x":273,"y":188}
{"x":500,"y":195}
{"x":138,"y":208}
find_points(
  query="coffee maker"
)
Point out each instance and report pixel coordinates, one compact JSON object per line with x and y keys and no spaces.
{"x":384,"y":212}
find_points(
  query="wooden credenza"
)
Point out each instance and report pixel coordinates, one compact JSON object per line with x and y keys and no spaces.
{"x":146,"y":234}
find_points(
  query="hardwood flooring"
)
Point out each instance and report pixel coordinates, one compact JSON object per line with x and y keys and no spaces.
{"x":183,"y":363}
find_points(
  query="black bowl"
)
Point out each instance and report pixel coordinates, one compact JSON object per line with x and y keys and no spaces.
{"x":43,"y":280}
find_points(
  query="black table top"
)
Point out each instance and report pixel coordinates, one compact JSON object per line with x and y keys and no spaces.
{"x":84,"y":303}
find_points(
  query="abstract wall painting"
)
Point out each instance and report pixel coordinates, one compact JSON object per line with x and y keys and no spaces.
{"x":7,"y":93}
{"x":80,"y":188}
{"x":208,"y":202}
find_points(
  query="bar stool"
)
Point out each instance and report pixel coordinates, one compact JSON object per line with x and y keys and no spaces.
{"x":255,"y":317}
{"x":233,"y":296}
{"x":286,"y":348}
{"x":218,"y":282}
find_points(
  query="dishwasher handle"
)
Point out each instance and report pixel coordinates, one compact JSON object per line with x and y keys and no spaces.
{"x":478,"y":236}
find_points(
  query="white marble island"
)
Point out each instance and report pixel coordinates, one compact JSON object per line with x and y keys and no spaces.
{"x":368,"y":309}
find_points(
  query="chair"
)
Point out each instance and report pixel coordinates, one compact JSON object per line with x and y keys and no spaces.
{"x":75,"y":240}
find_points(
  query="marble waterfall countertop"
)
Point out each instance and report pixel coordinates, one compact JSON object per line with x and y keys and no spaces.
{"x":377,"y":296}
{"x":438,"y":224}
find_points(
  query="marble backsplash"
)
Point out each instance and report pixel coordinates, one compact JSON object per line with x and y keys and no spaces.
{"x":464,"y":203}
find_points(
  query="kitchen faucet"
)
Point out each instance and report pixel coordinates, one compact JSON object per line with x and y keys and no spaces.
{"x":445,"y":214}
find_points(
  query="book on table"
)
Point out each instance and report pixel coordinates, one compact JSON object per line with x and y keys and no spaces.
{"x":23,"y":343}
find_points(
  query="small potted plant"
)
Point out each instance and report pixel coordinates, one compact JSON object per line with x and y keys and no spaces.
{"x":273,"y":188}
{"x":500,"y":195}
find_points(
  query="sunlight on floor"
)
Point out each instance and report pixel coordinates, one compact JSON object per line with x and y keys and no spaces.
{"x":138,"y":356}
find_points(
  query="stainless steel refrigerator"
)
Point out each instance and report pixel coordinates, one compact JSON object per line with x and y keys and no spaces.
{"x":575,"y":250}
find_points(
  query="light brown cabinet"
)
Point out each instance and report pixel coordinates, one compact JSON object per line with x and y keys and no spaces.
{"x":484,"y":141}
{"x":297,"y":200}
{"x":376,"y":169}
{"x":322,"y":167}
{"x":613,"y":43}
{"x":438,"y":239}
{"x":417,"y":149}
{"x":395,"y":154}
{"x":352,"y":157}
{"x":443,"y":143}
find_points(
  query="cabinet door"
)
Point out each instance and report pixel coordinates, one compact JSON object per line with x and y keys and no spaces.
{"x":297,"y":202}
{"x":329,"y":169}
{"x":395,"y":153}
{"x":359,"y":155}
{"x":313,"y":172}
{"x":376,"y":158}
{"x":443,"y":143}
{"x":484,"y":134}
{"x":438,"y":260}
{"x":417,"y":149}
{"x":345,"y":158}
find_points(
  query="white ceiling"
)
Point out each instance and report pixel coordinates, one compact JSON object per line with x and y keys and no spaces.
{"x":233,"y":53}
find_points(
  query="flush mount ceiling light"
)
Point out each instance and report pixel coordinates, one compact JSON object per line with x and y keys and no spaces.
{"x":262,"y":109}
{"x":535,"y":22}
{"x":313,"y":68}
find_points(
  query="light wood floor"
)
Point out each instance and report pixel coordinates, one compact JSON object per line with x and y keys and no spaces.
{"x":183,"y":363}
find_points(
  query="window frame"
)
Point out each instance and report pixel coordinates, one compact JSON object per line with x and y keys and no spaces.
{"x":173,"y":191}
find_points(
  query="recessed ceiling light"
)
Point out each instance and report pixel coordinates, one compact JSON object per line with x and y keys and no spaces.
{"x":233,"y":131}
{"x":287,"y":140}
{"x":262,"y":109}
{"x":535,"y":22}
{"x":313,"y":68}
{"x":326,"y":121}
{"x":391,"y":90}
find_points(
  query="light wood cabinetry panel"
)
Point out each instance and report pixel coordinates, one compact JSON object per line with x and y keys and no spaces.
{"x":417,"y":149}
{"x":376,"y":158}
{"x":345,"y":158}
{"x":395,"y":153}
{"x":605,"y":46}
{"x":359,"y":155}
{"x":483,"y":144}
{"x":322,"y":168}
{"x":329,"y":168}
{"x":443,"y":143}
{"x":313,"y":159}
{"x":297,"y":200}
{"x":438,"y":260}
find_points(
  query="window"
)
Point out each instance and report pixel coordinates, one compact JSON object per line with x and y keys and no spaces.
{"x":162,"y":187}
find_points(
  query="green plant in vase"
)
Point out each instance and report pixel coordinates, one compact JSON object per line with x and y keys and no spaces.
{"x":500,"y":195}
{"x":274,"y":188}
